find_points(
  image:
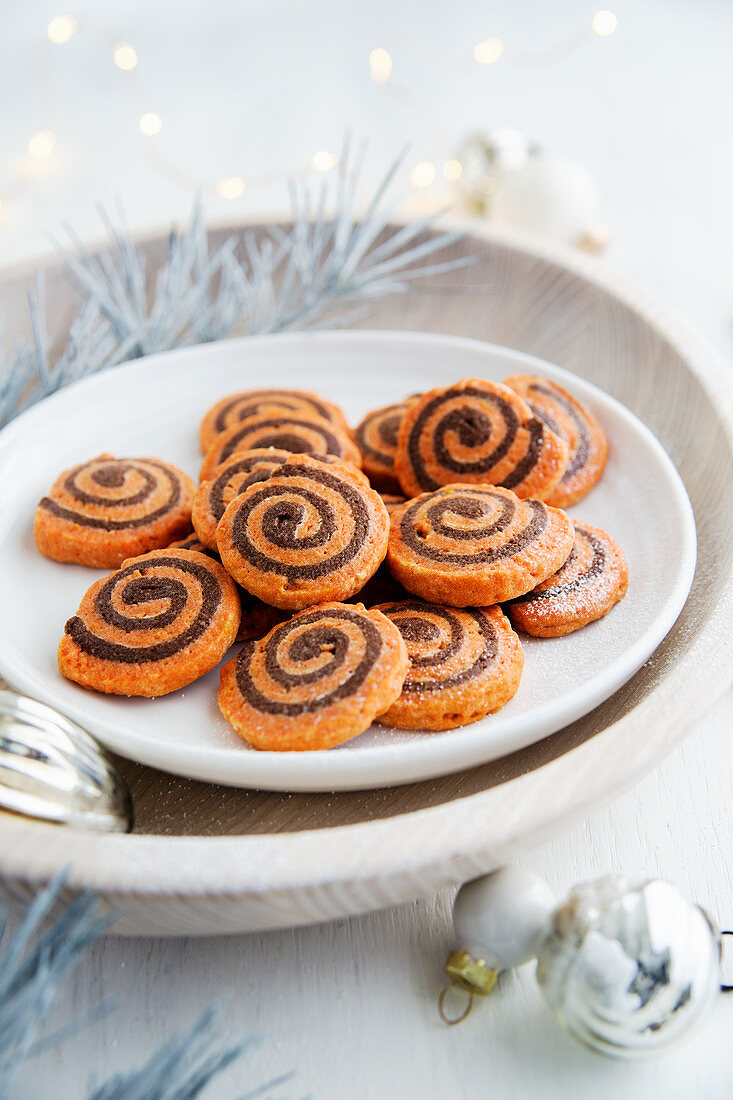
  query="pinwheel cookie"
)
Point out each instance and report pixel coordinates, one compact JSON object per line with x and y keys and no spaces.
{"x":298,"y":433}
{"x":153,"y":626}
{"x":108,"y":509}
{"x":591,"y":581}
{"x":464,"y":664}
{"x":469,"y":545}
{"x":239,"y":406}
{"x":316,"y":681}
{"x":312,"y":532}
{"x":479,"y":432}
{"x":376,"y":438}
{"x":566,"y":417}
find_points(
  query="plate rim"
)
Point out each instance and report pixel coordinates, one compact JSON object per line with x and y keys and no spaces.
{"x":374,"y":766}
{"x":33,"y":851}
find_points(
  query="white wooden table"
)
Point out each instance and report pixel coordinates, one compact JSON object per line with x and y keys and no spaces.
{"x":351,"y":1006}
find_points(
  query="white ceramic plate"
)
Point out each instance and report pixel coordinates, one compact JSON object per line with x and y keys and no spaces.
{"x":154,"y":406}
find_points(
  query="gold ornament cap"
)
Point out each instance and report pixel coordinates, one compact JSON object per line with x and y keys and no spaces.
{"x":473,"y":975}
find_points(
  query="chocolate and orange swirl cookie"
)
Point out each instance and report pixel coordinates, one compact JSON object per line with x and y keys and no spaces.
{"x":464,"y":664}
{"x":257,"y":617}
{"x":376,"y":438}
{"x":312,"y":532}
{"x":469,"y":545}
{"x":298,"y":433}
{"x":239,"y":406}
{"x":160,"y":622}
{"x":584,"y":436}
{"x":479,"y":432}
{"x":108,"y":509}
{"x":591,"y":581}
{"x":316,"y":681}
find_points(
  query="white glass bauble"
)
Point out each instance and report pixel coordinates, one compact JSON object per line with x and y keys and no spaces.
{"x":548,"y":195}
{"x":501,"y":917}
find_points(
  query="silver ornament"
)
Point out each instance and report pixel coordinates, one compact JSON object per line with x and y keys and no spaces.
{"x":483,"y":158}
{"x":627,"y":967}
{"x":51,"y":769}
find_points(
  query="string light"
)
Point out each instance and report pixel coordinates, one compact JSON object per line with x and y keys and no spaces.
{"x":125,"y":57}
{"x":151,"y":124}
{"x":605,"y":23}
{"x":41,"y":144}
{"x":423,"y":174}
{"x":323,"y":161}
{"x":380,"y":65}
{"x":231,"y":187}
{"x":489,"y":51}
{"x":60,"y":29}
{"x":63,"y":27}
{"x":452,"y":170}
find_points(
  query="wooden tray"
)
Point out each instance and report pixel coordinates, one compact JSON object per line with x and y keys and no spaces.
{"x":207,"y":859}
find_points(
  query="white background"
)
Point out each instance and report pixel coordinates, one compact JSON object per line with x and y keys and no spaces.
{"x":254,"y":89}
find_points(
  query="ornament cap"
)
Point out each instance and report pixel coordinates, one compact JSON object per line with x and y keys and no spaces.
{"x":473,"y":974}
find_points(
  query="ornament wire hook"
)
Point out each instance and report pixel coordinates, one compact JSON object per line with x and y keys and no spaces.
{"x":451,"y":1021}
{"x":726,"y":988}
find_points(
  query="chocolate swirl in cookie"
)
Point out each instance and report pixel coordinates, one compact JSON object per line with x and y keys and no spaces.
{"x":315,"y":681}
{"x":239,"y":406}
{"x":293,"y":432}
{"x":317,"y":659}
{"x":310,"y":532}
{"x":116,"y":493}
{"x":109,"y":509}
{"x":591,"y":581}
{"x":142,"y":588}
{"x":467,"y":545}
{"x":584,"y":566}
{"x":461,"y":525}
{"x":464,"y":664}
{"x":481,"y":432}
{"x":376,"y":437}
{"x":257,"y":617}
{"x":572,"y":422}
{"x":581,"y":444}
{"x":275,"y":528}
{"x":447,"y":646}
{"x":159,"y":622}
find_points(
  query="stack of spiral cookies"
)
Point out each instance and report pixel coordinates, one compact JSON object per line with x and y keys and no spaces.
{"x":373,"y":574}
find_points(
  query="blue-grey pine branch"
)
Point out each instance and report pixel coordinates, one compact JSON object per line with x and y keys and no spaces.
{"x":180,"y":1070}
{"x":34,"y":960}
{"x":327,"y":267}
{"x":32,"y":963}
